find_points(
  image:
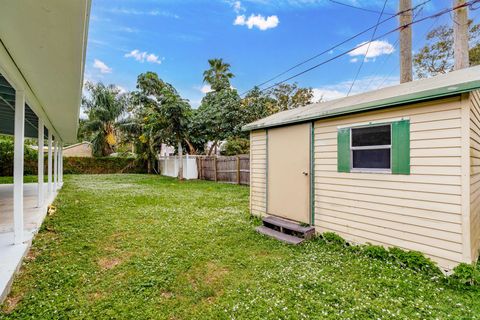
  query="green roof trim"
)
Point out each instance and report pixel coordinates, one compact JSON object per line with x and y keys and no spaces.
{"x":442,"y":86}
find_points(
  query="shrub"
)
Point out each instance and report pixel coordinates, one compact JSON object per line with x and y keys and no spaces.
{"x":376,"y":252}
{"x":6,"y":157}
{"x":466,"y":274}
{"x":235,"y":146}
{"x":333,"y":238}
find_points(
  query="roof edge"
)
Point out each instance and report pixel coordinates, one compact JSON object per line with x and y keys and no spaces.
{"x":432,"y":94}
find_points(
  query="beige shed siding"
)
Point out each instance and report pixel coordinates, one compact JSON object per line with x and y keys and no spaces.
{"x":420,"y":211}
{"x":475,"y":174}
{"x":258,"y":172}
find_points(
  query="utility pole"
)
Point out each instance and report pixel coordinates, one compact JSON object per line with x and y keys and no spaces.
{"x":460,"y":35}
{"x":405,"y":6}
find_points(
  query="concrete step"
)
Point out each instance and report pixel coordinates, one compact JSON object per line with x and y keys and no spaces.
{"x":289,"y":227}
{"x":279,"y":235}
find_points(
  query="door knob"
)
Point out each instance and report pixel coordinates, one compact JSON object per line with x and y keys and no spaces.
{"x":305,"y":173}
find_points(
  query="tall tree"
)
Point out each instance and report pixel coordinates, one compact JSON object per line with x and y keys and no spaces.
{"x":220,"y":116}
{"x":218,"y":75}
{"x":104,"y":106}
{"x":160,"y":115}
{"x":436,"y":57}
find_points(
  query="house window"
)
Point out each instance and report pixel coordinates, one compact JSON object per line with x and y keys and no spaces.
{"x":371,"y":148}
{"x":375,"y":148}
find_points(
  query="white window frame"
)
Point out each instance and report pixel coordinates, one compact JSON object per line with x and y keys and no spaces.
{"x":374,"y":147}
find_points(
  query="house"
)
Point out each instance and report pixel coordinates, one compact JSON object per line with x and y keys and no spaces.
{"x":399,"y":166}
{"x":42,"y":59}
{"x":81,"y":149}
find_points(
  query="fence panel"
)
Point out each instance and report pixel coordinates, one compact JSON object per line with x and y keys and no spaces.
{"x":229,"y":169}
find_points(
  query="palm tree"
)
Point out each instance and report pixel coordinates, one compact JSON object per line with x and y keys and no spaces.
{"x":218,"y":75}
{"x":104,"y":107}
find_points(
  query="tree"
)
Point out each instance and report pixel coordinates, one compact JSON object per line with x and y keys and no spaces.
{"x":218,"y":75}
{"x":290,"y":96}
{"x":220,"y":116}
{"x":104,"y":107}
{"x":159,"y":115}
{"x":436,"y":57}
{"x":257,"y":105}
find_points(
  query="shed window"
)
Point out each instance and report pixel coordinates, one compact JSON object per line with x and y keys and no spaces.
{"x":371,"y":147}
{"x":375,"y":148}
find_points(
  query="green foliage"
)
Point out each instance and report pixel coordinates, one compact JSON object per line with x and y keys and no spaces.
{"x":159,"y":115}
{"x":235,"y":146}
{"x":7,"y":154}
{"x":436,"y":57}
{"x":218,"y":75}
{"x":220,"y":116}
{"x":412,"y":260}
{"x":290,"y":96}
{"x":104,"y":106}
{"x":102,"y":165}
{"x":466,"y":274}
{"x":333,"y":238}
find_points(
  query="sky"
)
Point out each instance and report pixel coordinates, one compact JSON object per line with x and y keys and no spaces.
{"x":259,"y":38}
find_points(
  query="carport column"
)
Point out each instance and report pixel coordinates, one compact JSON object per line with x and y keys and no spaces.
{"x":18,"y":167}
{"x":60,"y":163}
{"x":49,"y":169}
{"x":41,"y":142}
{"x":55,"y":164}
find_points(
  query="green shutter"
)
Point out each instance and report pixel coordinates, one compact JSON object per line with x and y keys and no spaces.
{"x":401,"y":147}
{"x":343,"y":150}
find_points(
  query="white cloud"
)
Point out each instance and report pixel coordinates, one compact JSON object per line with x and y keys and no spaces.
{"x":376,"y":48}
{"x":100,"y":65}
{"x":259,"y":21}
{"x":143,"y":56}
{"x":353,"y":60}
{"x":340,"y":89}
{"x":204,"y":89}
{"x":155,"y":12}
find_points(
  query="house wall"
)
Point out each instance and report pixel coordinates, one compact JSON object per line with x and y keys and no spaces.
{"x":421,"y":211}
{"x":258,"y":172}
{"x":81,"y":150}
{"x":475,"y":173}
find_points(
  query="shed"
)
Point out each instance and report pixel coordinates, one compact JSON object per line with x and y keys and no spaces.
{"x":399,"y":166}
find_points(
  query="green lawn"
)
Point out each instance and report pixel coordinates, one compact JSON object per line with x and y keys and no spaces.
{"x":147,"y":247}
{"x":26,"y":179}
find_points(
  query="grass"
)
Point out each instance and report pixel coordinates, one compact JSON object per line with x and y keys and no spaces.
{"x":26,"y":179}
{"x":148,"y":247}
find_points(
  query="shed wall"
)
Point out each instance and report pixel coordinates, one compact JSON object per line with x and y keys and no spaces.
{"x":258,"y":172}
{"x":475,"y":173}
{"x":421,"y":211}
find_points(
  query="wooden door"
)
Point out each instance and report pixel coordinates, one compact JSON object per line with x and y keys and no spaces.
{"x":289,"y":172}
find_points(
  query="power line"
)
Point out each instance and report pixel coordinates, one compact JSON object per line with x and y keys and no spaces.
{"x":359,"y":8}
{"x":334,"y":47}
{"x":395,"y":44}
{"x":368,"y":48}
{"x":438,"y":14}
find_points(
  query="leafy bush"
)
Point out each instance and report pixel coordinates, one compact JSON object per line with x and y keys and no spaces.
{"x":412,"y":260}
{"x":235,"y":146}
{"x":6,"y":157}
{"x":333,"y":238}
{"x":79,"y":165}
{"x":466,"y":274}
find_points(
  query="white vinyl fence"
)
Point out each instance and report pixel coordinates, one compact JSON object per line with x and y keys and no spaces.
{"x":169,"y":166}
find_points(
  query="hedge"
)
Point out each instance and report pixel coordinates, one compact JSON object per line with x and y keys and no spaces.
{"x":82,"y":165}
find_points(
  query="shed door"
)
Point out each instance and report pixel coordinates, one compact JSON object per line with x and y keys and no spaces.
{"x":289,"y":172}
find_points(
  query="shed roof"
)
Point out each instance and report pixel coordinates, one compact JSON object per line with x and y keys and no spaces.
{"x":444,"y":85}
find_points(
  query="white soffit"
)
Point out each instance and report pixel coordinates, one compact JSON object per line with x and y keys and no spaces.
{"x":47,"y":41}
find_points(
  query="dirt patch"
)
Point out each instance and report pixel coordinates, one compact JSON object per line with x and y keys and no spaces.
{"x":214,"y":273}
{"x":167,"y":295}
{"x":96,"y":296}
{"x":109,"y":263}
{"x":11,"y":303}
